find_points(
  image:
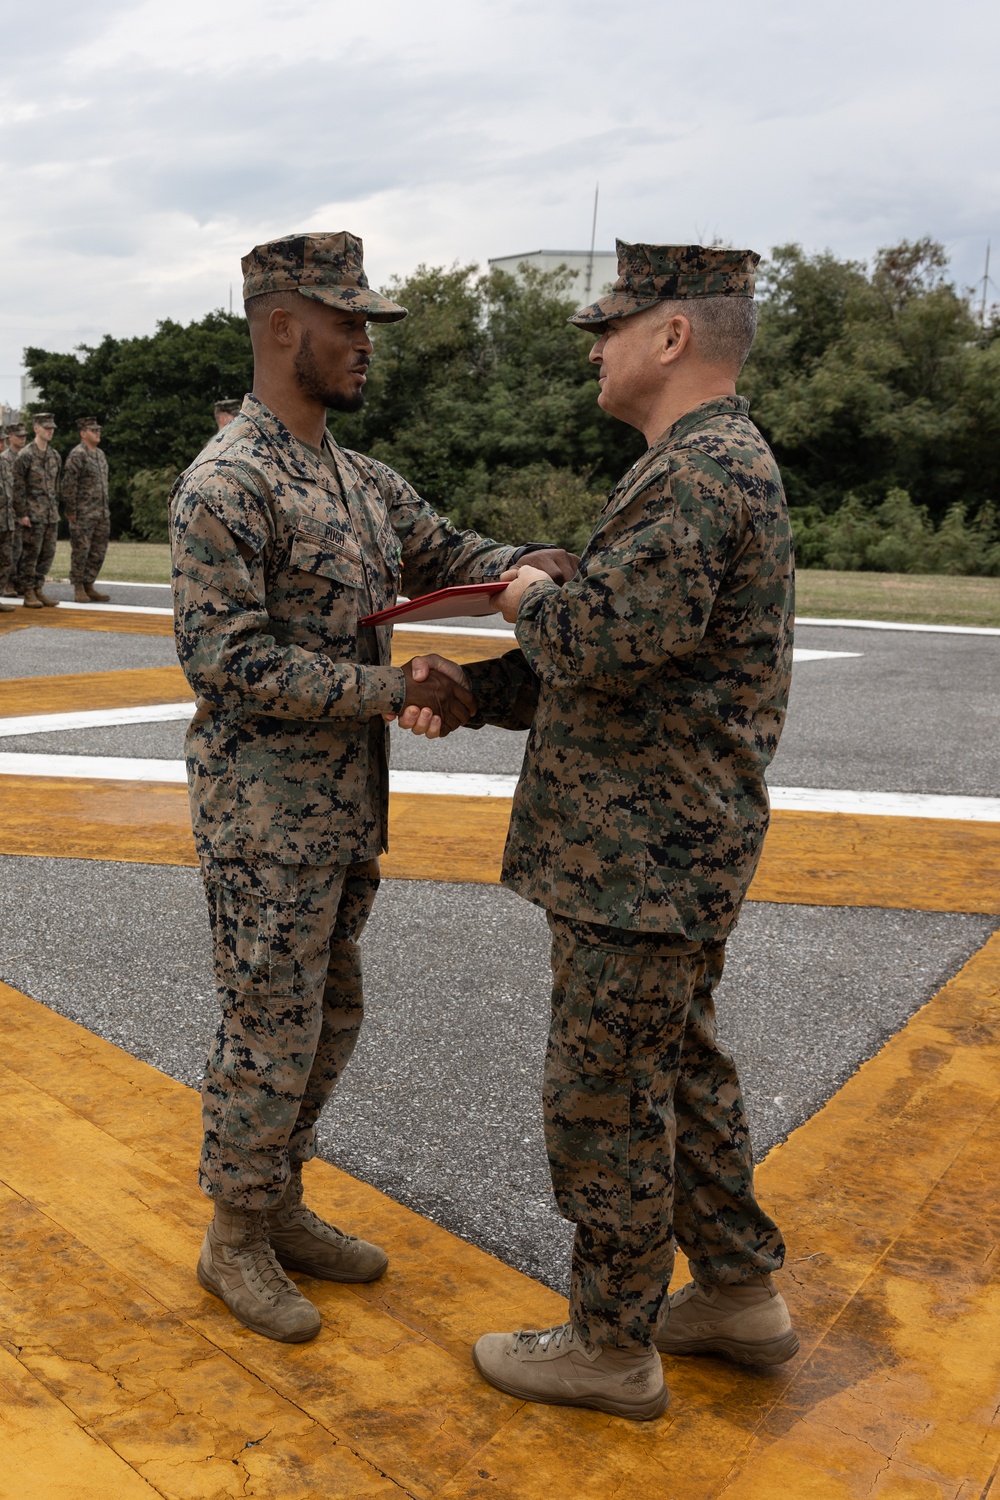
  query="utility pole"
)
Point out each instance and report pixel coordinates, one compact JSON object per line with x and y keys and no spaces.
{"x":986,"y":282}
{"x":230,"y":299}
{"x":593,"y":240}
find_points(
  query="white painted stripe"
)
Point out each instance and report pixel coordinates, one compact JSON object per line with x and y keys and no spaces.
{"x":110,"y":609}
{"x":456,"y":630}
{"x":452,"y":783}
{"x":98,"y":767}
{"x":804,"y":653}
{"x":95,"y":718}
{"x":900,"y":625}
{"x":466,"y":784}
{"x":886,"y":804}
{"x":126,"y":583}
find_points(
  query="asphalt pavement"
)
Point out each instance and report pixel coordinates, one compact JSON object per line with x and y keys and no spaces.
{"x":907,"y":713}
{"x":440,"y":1106}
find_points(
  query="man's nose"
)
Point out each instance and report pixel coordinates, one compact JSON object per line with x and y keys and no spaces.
{"x":597,"y":353}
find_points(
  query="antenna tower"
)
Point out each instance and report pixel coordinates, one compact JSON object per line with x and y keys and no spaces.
{"x":593,"y":241}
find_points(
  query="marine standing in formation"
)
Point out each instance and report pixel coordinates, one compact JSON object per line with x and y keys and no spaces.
{"x":8,"y":525}
{"x":16,"y":439}
{"x":654,"y":685}
{"x":224,"y":412}
{"x":281,"y":540}
{"x":85,"y":504}
{"x":36,"y":496}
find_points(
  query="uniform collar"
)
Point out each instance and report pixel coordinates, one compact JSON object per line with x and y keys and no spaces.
{"x":292,"y":455}
{"x":719,"y":406}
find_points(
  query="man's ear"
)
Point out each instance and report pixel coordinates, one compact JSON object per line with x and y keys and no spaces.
{"x":675,"y":338}
{"x":282,"y":326}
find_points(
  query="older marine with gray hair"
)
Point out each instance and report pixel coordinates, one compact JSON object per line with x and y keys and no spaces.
{"x":654,"y":684}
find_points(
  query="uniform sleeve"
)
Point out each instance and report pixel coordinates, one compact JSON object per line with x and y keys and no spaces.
{"x":221,"y":624}
{"x":20,"y":485}
{"x":71,"y":481}
{"x":506,"y":691}
{"x":647,"y":600}
{"x":435,"y":554}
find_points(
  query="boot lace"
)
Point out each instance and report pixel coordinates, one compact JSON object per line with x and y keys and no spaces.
{"x":532,"y":1340}
{"x":263,"y":1269}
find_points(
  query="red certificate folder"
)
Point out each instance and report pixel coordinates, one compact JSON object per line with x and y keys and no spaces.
{"x":444,"y":604}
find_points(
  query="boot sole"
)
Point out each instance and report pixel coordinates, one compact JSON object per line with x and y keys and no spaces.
{"x":645,"y":1413}
{"x":287,"y":1264}
{"x":767,"y":1352}
{"x":267,"y":1333}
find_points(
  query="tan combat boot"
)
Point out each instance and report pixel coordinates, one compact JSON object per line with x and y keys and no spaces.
{"x":30,"y":600}
{"x":558,"y":1367}
{"x":80,"y":595}
{"x":238,"y":1265}
{"x":44,"y":599}
{"x":749,"y":1324}
{"x":304,"y":1242}
{"x":95,"y":595}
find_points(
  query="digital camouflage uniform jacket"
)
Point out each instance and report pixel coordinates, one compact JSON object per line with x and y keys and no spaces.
{"x":36,"y":484}
{"x":275,"y":558}
{"x":655,"y":685}
{"x":8,"y":513}
{"x":85,"y":484}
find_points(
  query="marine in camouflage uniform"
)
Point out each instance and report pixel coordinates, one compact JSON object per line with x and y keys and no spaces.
{"x":85,"y":504}
{"x":15,"y":435}
{"x":8,"y":525}
{"x":36,"y":495}
{"x":654,"y":685}
{"x":279,"y":548}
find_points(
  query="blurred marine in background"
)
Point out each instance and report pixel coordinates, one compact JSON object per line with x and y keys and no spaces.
{"x":85,"y":503}
{"x":36,"y":498}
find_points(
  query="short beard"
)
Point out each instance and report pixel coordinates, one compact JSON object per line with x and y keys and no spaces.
{"x":310,"y":382}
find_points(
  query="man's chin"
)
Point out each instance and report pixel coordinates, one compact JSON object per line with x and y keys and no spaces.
{"x":337,"y":401}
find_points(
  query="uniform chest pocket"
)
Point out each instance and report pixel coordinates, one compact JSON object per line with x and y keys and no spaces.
{"x":337,"y":558}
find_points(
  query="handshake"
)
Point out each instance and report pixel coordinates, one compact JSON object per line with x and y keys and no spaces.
{"x":438,"y":699}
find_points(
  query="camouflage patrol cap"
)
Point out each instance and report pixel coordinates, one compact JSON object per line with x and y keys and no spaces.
{"x":230,"y":407}
{"x":326,"y":267}
{"x":648,"y":274}
{"x":43,"y":418}
{"x":83,"y":422}
{"x":16,"y":429}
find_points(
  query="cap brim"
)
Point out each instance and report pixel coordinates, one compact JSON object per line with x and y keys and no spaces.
{"x":376,"y":308}
{"x":607,"y":309}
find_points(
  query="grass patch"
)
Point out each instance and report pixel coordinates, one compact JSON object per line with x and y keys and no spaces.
{"x":922,"y":598}
{"x":132,"y":562}
{"x":919,"y":598}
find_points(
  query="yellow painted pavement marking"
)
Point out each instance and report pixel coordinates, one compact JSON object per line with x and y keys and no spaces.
{"x":821,"y":859}
{"x":885,"y":1196}
{"x":132,"y":688}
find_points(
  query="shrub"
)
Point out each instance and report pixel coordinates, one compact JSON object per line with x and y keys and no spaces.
{"x":897,"y":536}
{"x":149,"y":490}
{"x":538,"y":503}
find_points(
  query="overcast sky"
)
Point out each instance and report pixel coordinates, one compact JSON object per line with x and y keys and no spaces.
{"x":146,"y":146}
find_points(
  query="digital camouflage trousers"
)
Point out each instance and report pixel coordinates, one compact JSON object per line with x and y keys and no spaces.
{"x":645,"y":1128}
{"x":38,"y":548}
{"x":88,"y":547}
{"x":288,"y":975}
{"x":6,"y":557}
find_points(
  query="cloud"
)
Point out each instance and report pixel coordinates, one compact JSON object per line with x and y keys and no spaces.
{"x":147,"y":147}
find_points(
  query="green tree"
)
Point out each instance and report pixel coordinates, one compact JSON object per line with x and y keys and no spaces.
{"x":153,"y":394}
{"x":867,"y":380}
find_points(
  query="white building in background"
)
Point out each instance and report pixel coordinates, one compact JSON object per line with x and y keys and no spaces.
{"x":29,"y":392}
{"x":594,"y":275}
